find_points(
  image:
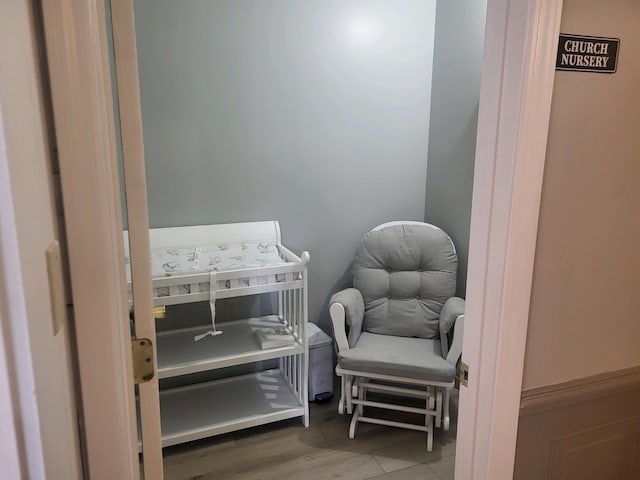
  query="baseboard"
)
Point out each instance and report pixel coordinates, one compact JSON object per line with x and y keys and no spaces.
{"x":587,"y":428}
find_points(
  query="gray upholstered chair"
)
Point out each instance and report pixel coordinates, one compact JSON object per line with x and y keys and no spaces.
{"x":399,"y":329}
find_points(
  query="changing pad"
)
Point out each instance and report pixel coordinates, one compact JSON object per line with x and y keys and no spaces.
{"x":166,"y":262}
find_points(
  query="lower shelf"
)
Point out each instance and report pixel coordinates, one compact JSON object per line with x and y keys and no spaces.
{"x":222,"y":406}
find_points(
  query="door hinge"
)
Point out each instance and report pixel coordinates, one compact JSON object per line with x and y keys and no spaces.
{"x":159,"y":313}
{"x":142,"y":353}
{"x":463,"y":376}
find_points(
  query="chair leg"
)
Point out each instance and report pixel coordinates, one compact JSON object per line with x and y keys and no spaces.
{"x":428,"y":421}
{"x":362,"y":394}
{"x":433,"y":403}
{"x":359,"y":410}
{"x":432,"y":398}
{"x":354,"y":424}
{"x":348,"y":392}
{"x":438,"y":407}
{"x":342,"y":396}
{"x":355,"y":386}
{"x":447,"y":399}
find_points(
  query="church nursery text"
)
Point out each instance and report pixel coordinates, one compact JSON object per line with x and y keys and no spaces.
{"x":585,"y":54}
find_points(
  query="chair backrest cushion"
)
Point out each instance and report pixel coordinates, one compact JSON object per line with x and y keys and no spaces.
{"x":405,"y":272}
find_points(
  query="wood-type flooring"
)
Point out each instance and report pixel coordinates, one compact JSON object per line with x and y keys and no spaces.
{"x":288,"y":451}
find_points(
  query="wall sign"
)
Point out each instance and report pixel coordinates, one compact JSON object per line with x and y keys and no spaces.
{"x":587,"y":54}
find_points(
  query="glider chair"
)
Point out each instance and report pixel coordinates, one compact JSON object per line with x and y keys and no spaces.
{"x":399,"y":329}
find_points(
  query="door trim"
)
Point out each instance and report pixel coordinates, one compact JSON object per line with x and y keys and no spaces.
{"x":515,"y":103}
{"x":76,"y":40}
{"x":21,"y":452}
{"x":513,"y":124}
{"x":135,"y":183}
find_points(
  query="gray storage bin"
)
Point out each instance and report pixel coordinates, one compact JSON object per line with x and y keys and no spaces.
{"x":320,"y":364}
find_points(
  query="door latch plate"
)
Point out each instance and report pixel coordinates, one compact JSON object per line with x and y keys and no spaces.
{"x":463,"y":376}
{"x":142,"y":353}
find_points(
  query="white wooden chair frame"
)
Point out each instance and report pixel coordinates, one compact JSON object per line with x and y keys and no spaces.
{"x":355,"y":385}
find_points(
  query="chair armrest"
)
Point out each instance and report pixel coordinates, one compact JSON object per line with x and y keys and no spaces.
{"x":452,"y":310}
{"x":338,"y":325}
{"x":346,"y":308}
{"x":455,"y":352}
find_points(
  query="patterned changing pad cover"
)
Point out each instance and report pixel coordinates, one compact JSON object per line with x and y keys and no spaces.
{"x":166,"y":262}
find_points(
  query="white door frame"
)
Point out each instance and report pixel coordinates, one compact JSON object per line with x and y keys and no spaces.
{"x":20,"y":446}
{"x":515,"y":103}
{"x":77,"y":55}
{"x":135,"y":185}
{"x":520,"y":44}
{"x":11,"y":451}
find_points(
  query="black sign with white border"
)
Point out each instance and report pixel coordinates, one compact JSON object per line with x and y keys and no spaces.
{"x":580,"y":53}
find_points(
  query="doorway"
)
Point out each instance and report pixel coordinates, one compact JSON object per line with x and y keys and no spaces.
{"x":526,"y":17}
{"x":304,"y":113}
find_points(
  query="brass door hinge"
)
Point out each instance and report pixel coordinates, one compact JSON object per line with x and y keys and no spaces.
{"x":142,"y":352}
{"x":463,"y":376}
{"x":159,"y":313}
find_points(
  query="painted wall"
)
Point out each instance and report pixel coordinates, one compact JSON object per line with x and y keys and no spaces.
{"x":583,"y":318}
{"x":312,"y":113}
{"x":116,"y":112}
{"x":457,"y":62}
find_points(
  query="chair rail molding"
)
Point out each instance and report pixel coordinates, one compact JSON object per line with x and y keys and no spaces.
{"x":584,"y":428}
{"x":515,"y":102}
{"x":581,"y":390}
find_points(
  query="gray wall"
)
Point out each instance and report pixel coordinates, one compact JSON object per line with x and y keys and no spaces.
{"x":457,"y":64}
{"x":116,"y":113}
{"x":313,"y":113}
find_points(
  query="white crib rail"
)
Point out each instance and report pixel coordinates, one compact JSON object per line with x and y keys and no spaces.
{"x":292,"y":311}
{"x":178,"y":289}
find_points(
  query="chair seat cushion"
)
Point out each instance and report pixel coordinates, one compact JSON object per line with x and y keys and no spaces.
{"x":407,"y":357}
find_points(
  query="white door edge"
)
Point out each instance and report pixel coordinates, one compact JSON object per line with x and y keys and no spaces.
{"x":133,"y":169}
{"x":515,"y":101}
{"x":21,"y":453}
{"x":77,"y":53}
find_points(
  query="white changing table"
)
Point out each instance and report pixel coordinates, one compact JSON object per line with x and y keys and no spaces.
{"x":211,"y":408}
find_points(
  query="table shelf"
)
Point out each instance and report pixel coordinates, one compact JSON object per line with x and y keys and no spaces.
{"x":179,"y":354}
{"x":221,"y":406}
